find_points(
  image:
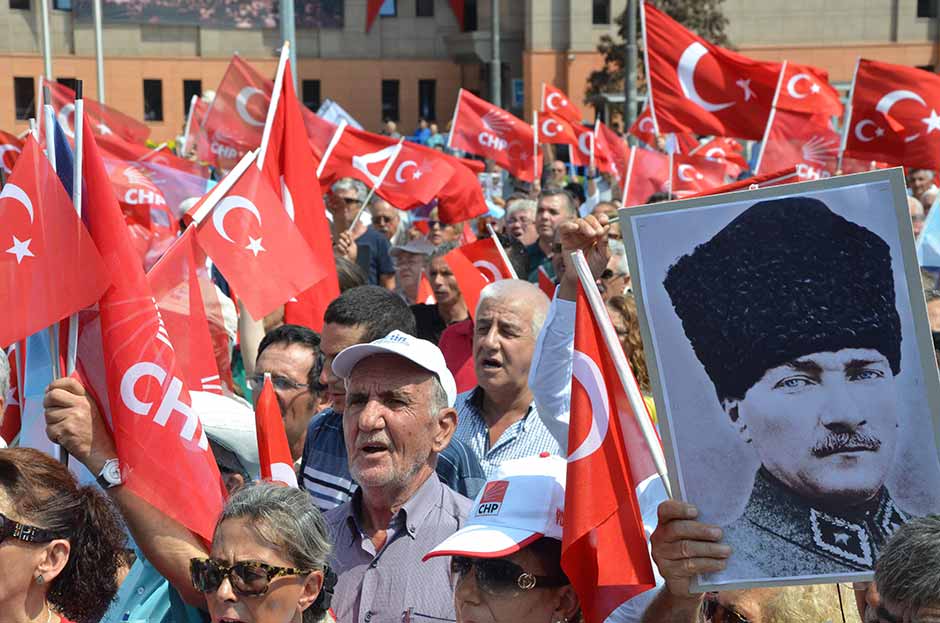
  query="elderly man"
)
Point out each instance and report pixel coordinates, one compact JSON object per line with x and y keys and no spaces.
{"x":365,"y":246}
{"x":908,"y":575}
{"x":520,"y":220}
{"x":399,"y":417}
{"x":498,"y":418}
{"x":920,"y":181}
{"x":386,"y":219}
{"x":916,"y":209}
{"x":410,"y":259}
{"x":361,"y":315}
{"x":555,"y":206}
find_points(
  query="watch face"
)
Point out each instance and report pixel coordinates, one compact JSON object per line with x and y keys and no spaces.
{"x":112,"y":472}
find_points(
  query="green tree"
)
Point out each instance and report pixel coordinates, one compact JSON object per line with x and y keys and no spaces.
{"x":703,"y":17}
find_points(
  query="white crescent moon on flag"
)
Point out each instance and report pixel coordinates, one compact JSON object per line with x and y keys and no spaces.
{"x":682,"y":172}
{"x":241,"y":105}
{"x":64,"y":113}
{"x":585,"y":370}
{"x":893,"y":97}
{"x":490,"y":268}
{"x":286,"y":199}
{"x":647,"y":125}
{"x":546,"y":125}
{"x":3,"y":155}
{"x":795,"y":80}
{"x":232,"y":202}
{"x":715,"y":153}
{"x":14,"y":192}
{"x":401,"y":169}
{"x":686,"y":71}
{"x":585,"y":146}
{"x":548,"y":102}
{"x":858,"y":130}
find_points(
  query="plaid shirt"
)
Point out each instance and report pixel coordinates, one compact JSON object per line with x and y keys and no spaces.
{"x":527,"y":437}
{"x":324,"y":467}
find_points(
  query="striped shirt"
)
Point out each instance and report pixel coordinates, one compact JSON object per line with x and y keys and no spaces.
{"x":324,"y":467}
{"x":527,"y":437}
{"x":381,"y":586}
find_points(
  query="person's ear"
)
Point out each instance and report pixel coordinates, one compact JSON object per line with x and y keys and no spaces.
{"x":444,"y":430}
{"x":737,"y":417}
{"x":312,"y":587}
{"x":52,"y":560}
{"x":567,"y":604}
{"x":233,"y":481}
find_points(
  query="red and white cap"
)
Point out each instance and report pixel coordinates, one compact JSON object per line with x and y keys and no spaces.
{"x":524,"y":502}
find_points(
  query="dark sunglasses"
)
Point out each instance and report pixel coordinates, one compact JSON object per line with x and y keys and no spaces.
{"x":281,"y":383}
{"x":248,"y":579}
{"x":498,"y":576}
{"x":716,"y":613}
{"x":25,"y":533}
{"x":351,"y":201}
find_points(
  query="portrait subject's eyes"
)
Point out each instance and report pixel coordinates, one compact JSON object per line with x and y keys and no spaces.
{"x":866,"y":374}
{"x":794,"y":382}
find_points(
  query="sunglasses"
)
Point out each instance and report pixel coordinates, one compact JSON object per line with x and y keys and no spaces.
{"x":382,"y":219}
{"x":281,"y":383}
{"x":716,"y":613}
{"x":351,"y":201}
{"x":497,"y":576}
{"x":248,"y":579}
{"x":25,"y":533}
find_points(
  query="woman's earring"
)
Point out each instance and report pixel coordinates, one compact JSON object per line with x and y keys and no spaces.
{"x":40,"y":580}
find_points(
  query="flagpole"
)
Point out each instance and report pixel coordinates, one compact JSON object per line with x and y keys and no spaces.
{"x":152,"y":152}
{"x":334,"y":141}
{"x":46,"y":43}
{"x":99,"y":49}
{"x":219,"y":190}
{"x":770,"y":119}
{"x":272,"y":106}
{"x":502,"y":251}
{"x":72,"y":353}
{"x":646,"y":65}
{"x":189,"y":122}
{"x":453,"y":121}
{"x":388,"y":165}
{"x":593,"y":140}
{"x":671,"y":157}
{"x":535,"y":146}
{"x":624,"y":372}
{"x":627,"y":177}
{"x":848,"y":117}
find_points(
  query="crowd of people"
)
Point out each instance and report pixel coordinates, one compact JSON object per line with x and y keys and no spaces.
{"x":401,"y":416}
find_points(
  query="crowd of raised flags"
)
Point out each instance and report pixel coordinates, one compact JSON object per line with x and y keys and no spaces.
{"x":98,"y":281}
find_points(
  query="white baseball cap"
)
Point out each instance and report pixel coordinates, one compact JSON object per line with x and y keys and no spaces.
{"x":420,"y":352}
{"x":524,"y":502}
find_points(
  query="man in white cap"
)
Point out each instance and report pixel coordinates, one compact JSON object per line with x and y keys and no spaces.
{"x":399,"y":416}
{"x":506,"y":562}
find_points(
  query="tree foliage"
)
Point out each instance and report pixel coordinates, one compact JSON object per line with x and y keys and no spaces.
{"x":703,"y":17}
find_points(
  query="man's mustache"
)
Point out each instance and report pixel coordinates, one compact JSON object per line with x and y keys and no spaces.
{"x":846,"y":442}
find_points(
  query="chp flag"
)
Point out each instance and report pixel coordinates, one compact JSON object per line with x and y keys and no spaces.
{"x":806,"y":141}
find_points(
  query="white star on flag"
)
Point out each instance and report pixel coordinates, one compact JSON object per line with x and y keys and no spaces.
{"x":814,"y":88}
{"x":417,"y":174}
{"x":746,"y":85}
{"x":254,"y":245}
{"x":879,"y":132}
{"x":20,"y":249}
{"x":933,"y":121}
{"x":9,"y":398}
{"x":105,"y":130}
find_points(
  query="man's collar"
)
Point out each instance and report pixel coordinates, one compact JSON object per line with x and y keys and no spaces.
{"x":475,"y":400}
{"x":412,"y":513}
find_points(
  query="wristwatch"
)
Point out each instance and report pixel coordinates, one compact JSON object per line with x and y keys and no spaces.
{"x":110,"y":474}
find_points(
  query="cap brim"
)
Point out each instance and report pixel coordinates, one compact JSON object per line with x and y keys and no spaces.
{"x":482,"y":541}
{"x":349,"y":357}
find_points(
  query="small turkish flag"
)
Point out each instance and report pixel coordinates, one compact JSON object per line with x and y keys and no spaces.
{"x":425,"y":293}
{"x":258,"y":248}
{"x":10,"y":149}
{"x":894,"y":115}
{"x":486,"y":255}
{"x":806,"y":89}
{"x":604,"y":549}
{"x":644,"y":128}
{"x":234,"y":123}
{"x":581,"y":149}
{"x":469,"y":279}
{"x":726,"y":150}
{"x":462,"y":197}
{"x":555,"y":129}
{"x":49,"y":265}
{"x":102,"y":120}
{"x":555,"y":101}
{"x":545,"y":283}
{"x":698,"y":87}
{"x":273,"y":448}
{"x":647,"y":173}
{"x":692,"y":175}
{"x":806,"y":141}
{"x":491,"y":132}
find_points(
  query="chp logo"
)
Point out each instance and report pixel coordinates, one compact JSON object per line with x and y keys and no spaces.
{"x":496,"y":124}
{"x":492,"y":499}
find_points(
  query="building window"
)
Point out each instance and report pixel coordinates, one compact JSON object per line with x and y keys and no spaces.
{"x":390,"y":100}
{"x":24,"y":94}
{"x":427,"y":96}
{"x":601,"y":12}
{"x":424,"y":8}
{"x":190,"y":88}
{"x":62,"y":5}
{"x":389,"y":8}
{"x":71,"y":83}
{"x":310,"y":91}
{"x":926,"y":8}
{"x":153,"y":100}
{"x":19,"y":4}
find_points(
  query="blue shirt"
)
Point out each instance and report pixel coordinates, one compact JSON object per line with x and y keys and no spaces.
{"x":145,"y":596}
{"x":324,"y":467}
{"x":372,"y":255}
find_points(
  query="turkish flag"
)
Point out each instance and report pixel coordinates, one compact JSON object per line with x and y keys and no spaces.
{"x":320,"y":132}
{"x":163,"y":451}
{"x":234,"y":123}
{"x":469,"y":279}
{"x":545,"y":283}
{"x":611,"y":152}
{"x":103,"y":120}
{"x":50,"y":266}
{"x":197,"y":114}
{"x":604,"y":549}
{"x":288,"y":165}
{"x":555,"y":129}
{"x":555,"y":101}
{"x":259,"y":250}
{"x":806,"y":141}
{"x":10,"y":149}
{"x":647,"y":173}
{"x":489,"y":131}
{"x":425,"y":293}
{"x":701,"y":88}
{"x":725,"y":150}
{"x":462,"y":197}
{"x":692,"y":175}
{"x":806,"y":89}
{"x":894,"y":115}
{"x":10,"y":424}
{"x":486,"y":255}
{"x":273,"y":448}
{"x":580,"y":151}
{"x":644,"y":128}
{"x":176,"y":289}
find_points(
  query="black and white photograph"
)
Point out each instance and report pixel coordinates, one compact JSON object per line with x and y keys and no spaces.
{"x":793,"y":371}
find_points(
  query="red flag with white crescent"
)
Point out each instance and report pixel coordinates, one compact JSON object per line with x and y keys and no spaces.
{"x":644,"y":128}
{"x":806,"y":89}
{"x":555,"y":101}
{"x":692,"y":175}
{"x":469,"y":278}
{"x":10,"y":149}
{"x":486,"y":256}
{"x":273,"y":449}
{"x":102,"y":120}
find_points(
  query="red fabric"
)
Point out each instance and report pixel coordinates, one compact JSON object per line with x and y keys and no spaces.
{"x":725,"y":150}
{"x":235,"y":121}
{"x":425,"y":293}
{"x":114,"y":147}
{"x":49,"y":265}
{"x":581,"y":149}
{"x":10,"y":427}
{"x":163,"y":451}
{"x":195,"y":135}
{"x":103,"y":120}
{"x":644,"y":128}
{"x":176,"y":289}
{"x":276,"y":263}
{"x":806,"y":89}
{"x":461,"y":199}
{"x":477,"y":166}
{"x":692,"y":175}
{"x":701,"y":88}
{"x":372,"y":11}
{"x":469,"y":279}
{"x":557,"y":130}
{"x":894,"y":115}
{"x":320,"y":132}
{"x":466,"y":235}
{"x":604,"y":548}
{"x":647,"y":173}
{"x":806,"y":141}
{"x":545,"y":283}
{"x":457,"y":7}
{"x":456,"y":344}
{"x":288,"y":165}
{"x":611,"y":152}
{"x":489,"y":131}
{"x":486,"y":256}
{"x":785,"y":176}
{"x":273,"y":449}
{"x":10,"y":149}
{"x":555,"y":101}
